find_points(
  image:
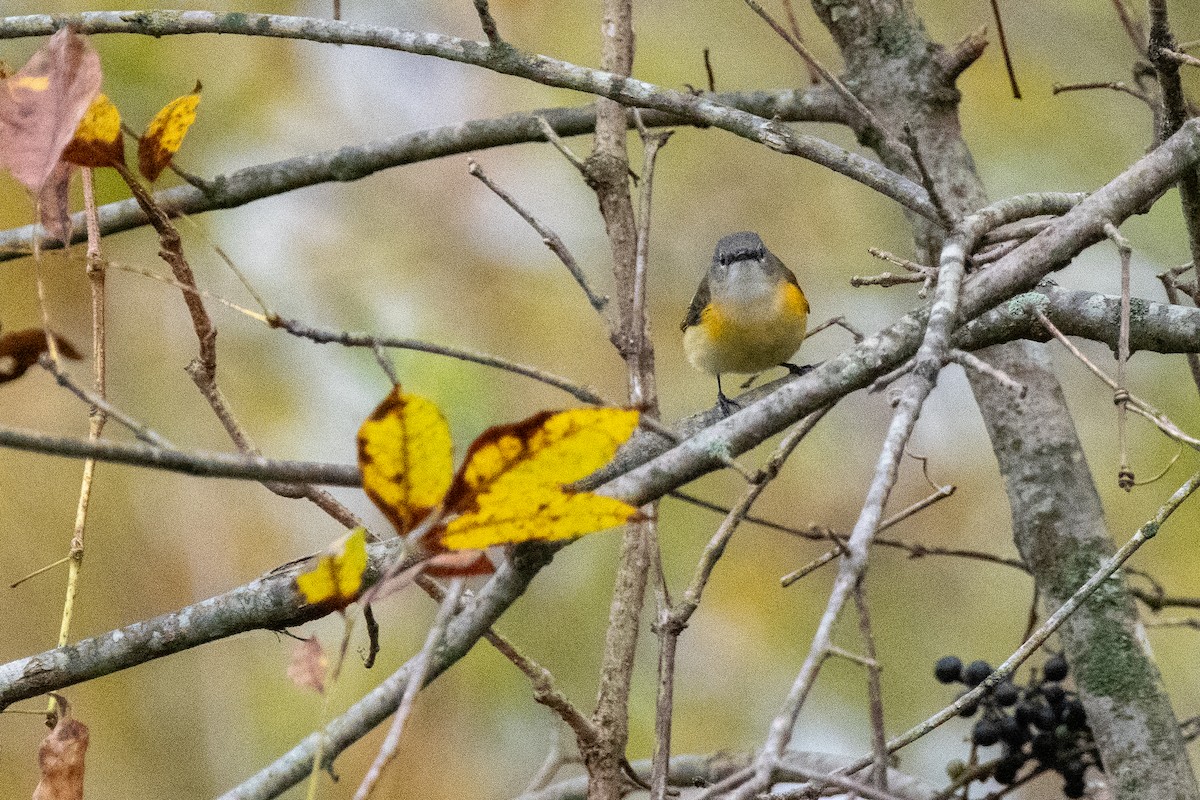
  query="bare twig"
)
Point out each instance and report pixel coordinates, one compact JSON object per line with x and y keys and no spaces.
{"x":673,"y":619}
{"x":553,"y":138}
{"x":214,"y":465}
{"x":867,"y":120}
{"x":1116,"y":86}
{"x":1008,"y":65}
{"x":549,"y":237}
{"x":973,"y":362}
{"x":488,"y":23}
{"x":96,"y":415}
{"x":352,"y":339}
{"x":874,"y":689}
{"x":914,"y":147}
{"x":1125,"y":477}
{"x":840,"y":322}
{"x":139,"y":430}
{"x":420,"y":670}
{"x":1139,"y":406}
{"x":1160,"y":51}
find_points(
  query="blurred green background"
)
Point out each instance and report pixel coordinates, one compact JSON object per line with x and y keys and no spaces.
{"x":427,"y":251}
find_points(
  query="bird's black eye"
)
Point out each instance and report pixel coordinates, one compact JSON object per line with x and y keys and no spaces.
{"x":762,"y":252}
{"x":724,"y":259}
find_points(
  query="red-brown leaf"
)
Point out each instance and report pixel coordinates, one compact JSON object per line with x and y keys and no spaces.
{"x":42,"y":104}
{"x":60,"y":759}
{"x":54,"y":202}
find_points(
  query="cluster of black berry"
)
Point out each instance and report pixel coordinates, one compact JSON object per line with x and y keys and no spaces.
{"x":1042,"y":722}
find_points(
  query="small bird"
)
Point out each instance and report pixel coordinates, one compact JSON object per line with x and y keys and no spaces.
{"x":748,"y":315}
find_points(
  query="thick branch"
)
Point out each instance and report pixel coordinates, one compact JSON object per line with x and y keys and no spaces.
{"x":355,"y":162}
{"x":502,"y":59}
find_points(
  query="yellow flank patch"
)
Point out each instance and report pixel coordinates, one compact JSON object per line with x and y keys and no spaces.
{"x":794,"y":299}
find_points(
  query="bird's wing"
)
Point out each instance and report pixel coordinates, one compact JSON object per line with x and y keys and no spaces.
{"x":698,"y":304}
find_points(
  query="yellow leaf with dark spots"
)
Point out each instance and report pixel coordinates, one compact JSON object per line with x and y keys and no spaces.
{"x":406,"y":457}
{"x":510,"y":487}
{"x":164,"y":135}
{"x":337,"y":577}
{"x":98,"y":140}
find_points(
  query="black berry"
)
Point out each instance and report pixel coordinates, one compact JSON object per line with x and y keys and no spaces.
{"x":1073,"y":715}
{"x":1012,"y":732}
{"x":1073,"y":770}
{"x":1045,"y":747}
{"x":1044,"y":718}
{"x":1026,"y":712}
{"x":1006,"y":694}
{"x":969,"y":709}
{"x":948,"y":669}
{"x":1055,"y":669}
{"x":1006,"y":772}
{"x":1054,"y":693}
{"x":986,"y":733}
{"x":974,"y":674}
{"x":1074,"y":789}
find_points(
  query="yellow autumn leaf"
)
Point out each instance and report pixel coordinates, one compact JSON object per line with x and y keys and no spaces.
{"x":165,"y":133}
{"x":98,"y":140}
{"x":509,"y":488}
{"x":549,"y":515}
{"x":337,"y":577}
{"x":406,"y":457}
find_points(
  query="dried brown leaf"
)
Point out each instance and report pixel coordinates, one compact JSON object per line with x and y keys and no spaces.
{"x":20,"y":350}
{"x":309,"y":665}
{"x":42,"y":104}
{"x":60,"y":759}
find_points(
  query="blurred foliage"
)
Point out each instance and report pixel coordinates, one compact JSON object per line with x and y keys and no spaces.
{"x":426,"y":251}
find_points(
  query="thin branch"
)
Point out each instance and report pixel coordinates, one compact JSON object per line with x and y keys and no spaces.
{"x":867,"y":120}
{"x":211,"y":465}
{"x":1139,"y":406}
{"x":549,"y":237}
{"x":1008,"y":65}
{"x":353,"y":339}
{"x":1116,"y":86}
{"x":488,"y":23}
{"x":139,"y":430}
{"x":1125,"y":477}
{"x":553,"y":138}
{"x":874,"y":689}
{"x":972,"y":362}
{"x":96,"y":415}
{"x":420,"y":670}
{"x":1166,"y":63}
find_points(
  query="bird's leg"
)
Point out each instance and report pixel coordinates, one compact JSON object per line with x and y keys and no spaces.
{"x":726,"y":405}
